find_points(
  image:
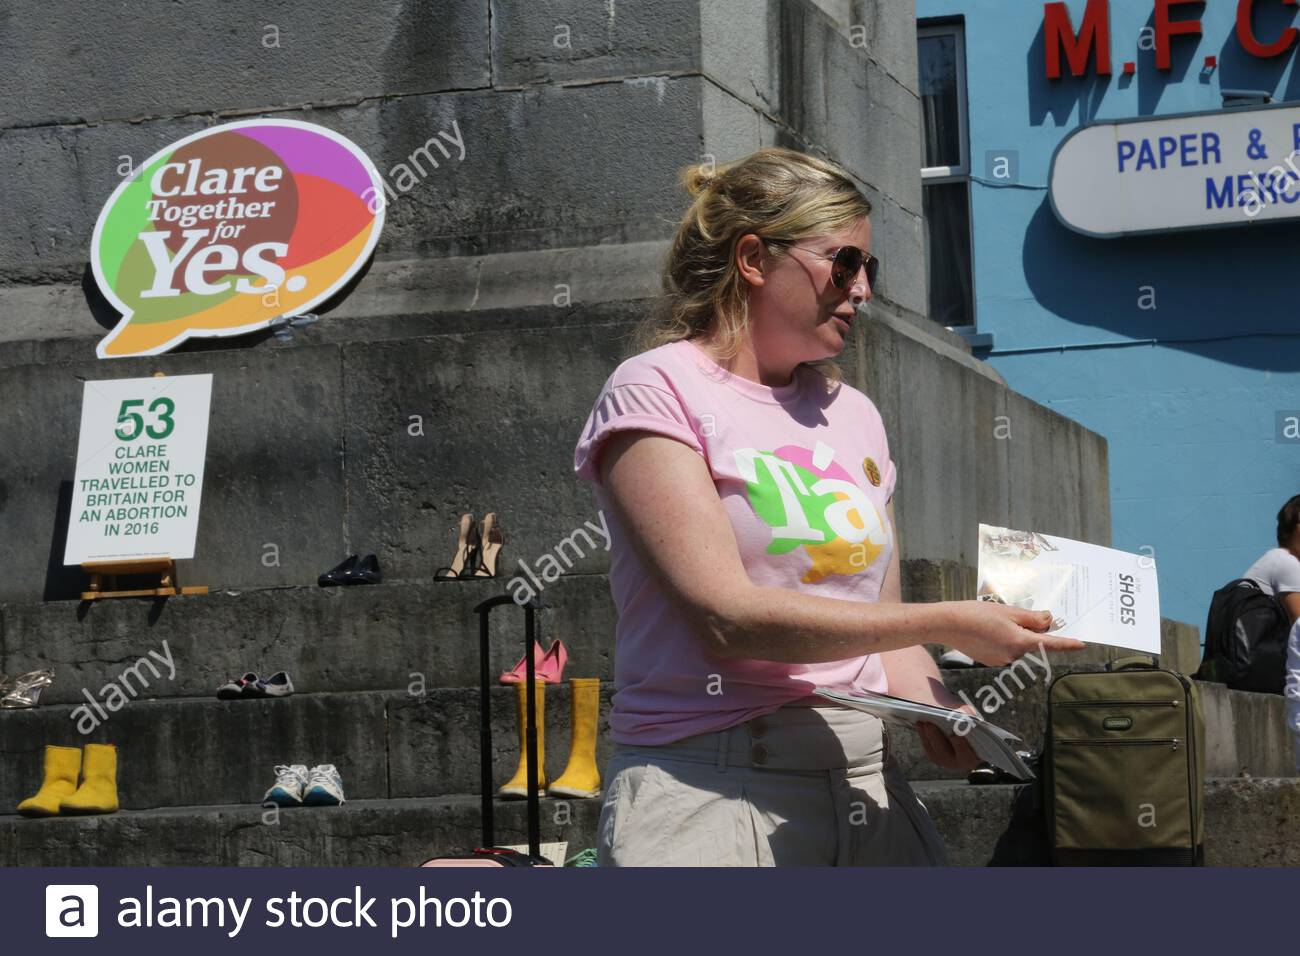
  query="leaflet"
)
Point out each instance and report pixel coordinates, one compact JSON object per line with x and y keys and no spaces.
{"x":1096,"y":595}
{"x":991,"y":743}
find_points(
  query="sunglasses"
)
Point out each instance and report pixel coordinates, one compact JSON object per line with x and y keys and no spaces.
{"x":845,"y":262}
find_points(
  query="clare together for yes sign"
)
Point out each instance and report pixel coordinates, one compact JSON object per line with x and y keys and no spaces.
{"x":1198,"y":170}
{"x":139,"y":469}
{"x":231,"y":228}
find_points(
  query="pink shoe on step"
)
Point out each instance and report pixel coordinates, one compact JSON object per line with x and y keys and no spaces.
{"x":548,"y":667}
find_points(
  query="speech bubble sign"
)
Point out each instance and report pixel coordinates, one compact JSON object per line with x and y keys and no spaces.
{"x":227,"y":230}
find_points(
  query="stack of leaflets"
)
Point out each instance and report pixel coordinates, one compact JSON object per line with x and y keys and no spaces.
{"x":990,"y":742}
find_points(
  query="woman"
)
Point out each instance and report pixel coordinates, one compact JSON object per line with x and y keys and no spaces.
{"x":1277,"y":572}
{"x":753,"y":558}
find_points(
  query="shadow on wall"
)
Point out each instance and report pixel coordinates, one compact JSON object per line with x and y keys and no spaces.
{"x":62,"y":583}
{"x":1153,"y":82}
{"x":1236,"y":69}
{"x":1060,"y":98}
{"x":1203,"y":285}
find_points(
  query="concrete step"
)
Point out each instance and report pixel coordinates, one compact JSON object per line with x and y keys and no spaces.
{"x":202,"y":751}
{"x":1245,"y":732}
{"x":371,"y":637}
{"x":358,"y":833}
{"x":1248,"y":823}
{"x":385,"y":430}
{"x":190,"y":751}
{"x":367,"y":637}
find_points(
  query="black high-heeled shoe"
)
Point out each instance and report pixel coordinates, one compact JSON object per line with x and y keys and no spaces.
{"x":466,"y":559}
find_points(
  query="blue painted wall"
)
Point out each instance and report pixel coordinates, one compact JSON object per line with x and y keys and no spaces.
{"x":1187,"y":393}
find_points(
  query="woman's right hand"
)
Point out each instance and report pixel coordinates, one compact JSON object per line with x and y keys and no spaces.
{"x":997,"y":634}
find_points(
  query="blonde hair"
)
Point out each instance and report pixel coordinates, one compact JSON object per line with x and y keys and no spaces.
{"x":781,"y":196}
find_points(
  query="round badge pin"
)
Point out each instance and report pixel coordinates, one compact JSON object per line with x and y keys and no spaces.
{"x":872,"y":472}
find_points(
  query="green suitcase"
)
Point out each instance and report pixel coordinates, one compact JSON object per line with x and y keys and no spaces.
{"x":1124,"y":767}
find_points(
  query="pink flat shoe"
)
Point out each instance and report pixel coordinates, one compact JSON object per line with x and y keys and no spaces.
{"x":549,"y":667}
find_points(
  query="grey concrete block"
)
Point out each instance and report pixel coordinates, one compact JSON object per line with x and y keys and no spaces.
{"x":384,"y":637}
{"x":521,"y":184}
{"x":273,"y":496}
{"x":503,"y":412}
{"x":174,"y":753}
{"x":888,"y":33}
{"x":57,"y":179}
{"x":433,"y":741}
{"x":358,"y":475}
{"x":732,"y":128}
{"x":1180,"y":646}
{"x":942,"y":413}
{"x":824,"y":91}
{"x":573,"y":40}
{"x":204,"y":752}
{"x":397,"y":311}
{"x":1048,"y":500}
{"x":359,"y":833}
{"x":1247,"y":822}
{"x":90,"y":63}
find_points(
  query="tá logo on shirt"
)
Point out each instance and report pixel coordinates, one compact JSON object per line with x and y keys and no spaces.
{"x":810,"y":501}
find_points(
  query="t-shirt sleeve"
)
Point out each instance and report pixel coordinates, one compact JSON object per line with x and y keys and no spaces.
{"x":888,"y":471}
{"x":889,"y":477}
{"x":631,"y":406}
{"x":1286,"y":574}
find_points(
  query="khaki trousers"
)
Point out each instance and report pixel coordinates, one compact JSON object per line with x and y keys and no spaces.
{"x":803,"y":786}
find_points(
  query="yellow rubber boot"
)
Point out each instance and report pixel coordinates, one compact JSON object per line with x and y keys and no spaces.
{"x":581,"y":778}
{"x":98,"y":790}
{"x":62,"y":764}
{"x":517,"y":786}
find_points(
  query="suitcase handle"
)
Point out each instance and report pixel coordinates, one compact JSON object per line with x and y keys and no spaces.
{"x":531,"y":763}
{"x":1133,"y":662}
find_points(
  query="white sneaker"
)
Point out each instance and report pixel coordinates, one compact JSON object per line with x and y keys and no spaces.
{"x":954,"y":658}
{"x":324,"y":787}
{"x":290,"y":781}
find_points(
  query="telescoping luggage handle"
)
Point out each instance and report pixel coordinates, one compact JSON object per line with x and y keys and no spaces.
{"x":531,"y":607}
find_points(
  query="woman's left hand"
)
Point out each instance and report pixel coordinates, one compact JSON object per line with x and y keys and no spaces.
{"x":942,"y":750}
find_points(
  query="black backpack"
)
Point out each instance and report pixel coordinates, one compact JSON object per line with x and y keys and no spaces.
{"x":1245,"y":639}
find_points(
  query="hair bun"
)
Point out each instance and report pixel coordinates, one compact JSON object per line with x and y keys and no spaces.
{"x":699,"y":178}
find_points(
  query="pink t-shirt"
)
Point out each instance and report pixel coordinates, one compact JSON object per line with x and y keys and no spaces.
{"x":804,"y":475}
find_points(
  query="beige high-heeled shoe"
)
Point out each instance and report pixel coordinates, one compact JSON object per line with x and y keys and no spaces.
{"x":491,"y":541}
{"x":466,"y":559}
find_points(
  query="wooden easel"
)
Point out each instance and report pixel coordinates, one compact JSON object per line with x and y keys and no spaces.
{"x":168,"y":585}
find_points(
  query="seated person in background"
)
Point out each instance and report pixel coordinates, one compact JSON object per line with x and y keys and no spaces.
{"x":1292,"y":690}
{"x":1277,"y":572}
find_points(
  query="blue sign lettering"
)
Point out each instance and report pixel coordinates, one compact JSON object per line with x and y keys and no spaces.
{"x":1189,"y":149}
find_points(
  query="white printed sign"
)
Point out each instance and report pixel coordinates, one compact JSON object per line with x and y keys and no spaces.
{"x":139,"y":469}
{"x":1179,"y":172}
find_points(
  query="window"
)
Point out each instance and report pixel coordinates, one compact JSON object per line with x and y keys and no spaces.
{"x":945,"y":174}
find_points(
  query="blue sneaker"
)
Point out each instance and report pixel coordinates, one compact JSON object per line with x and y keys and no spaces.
{"x":290,"y":782}
{"x":324,"y":787}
